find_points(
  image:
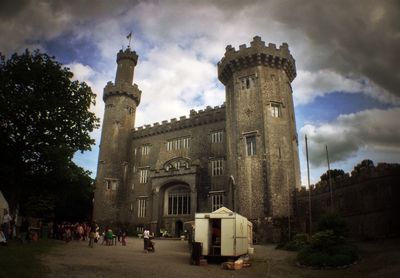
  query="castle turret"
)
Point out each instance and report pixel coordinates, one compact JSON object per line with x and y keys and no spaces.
{"x":121,"y":99}
{"x":262,"y":150}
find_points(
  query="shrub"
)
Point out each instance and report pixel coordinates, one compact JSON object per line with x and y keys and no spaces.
{"x":298,"y":242}
{"x":325,"y":240}
{"x":333,"y":256}
{"x":333,"y":222}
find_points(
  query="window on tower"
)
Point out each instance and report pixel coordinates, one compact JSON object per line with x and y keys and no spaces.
{"x":276,"y":110}
{"x":247,"y":82}
{"x":251,"y":145}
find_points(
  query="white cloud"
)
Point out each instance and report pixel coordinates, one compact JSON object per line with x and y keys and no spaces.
{"x":374,"y":130}
{"x":173,"y":80}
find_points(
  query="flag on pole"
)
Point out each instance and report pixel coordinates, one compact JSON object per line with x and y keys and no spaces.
{"x":129,"y":36}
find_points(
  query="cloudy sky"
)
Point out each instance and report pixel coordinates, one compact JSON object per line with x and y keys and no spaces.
{"x":347,"y":55}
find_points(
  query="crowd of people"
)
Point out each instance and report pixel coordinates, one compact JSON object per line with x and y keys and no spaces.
{"x":27,"y":230}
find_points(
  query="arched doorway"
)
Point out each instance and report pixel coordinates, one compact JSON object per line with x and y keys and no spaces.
{"x":178,"y":228}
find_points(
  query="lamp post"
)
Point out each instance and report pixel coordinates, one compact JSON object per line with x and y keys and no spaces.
{"x":329,"y":177}
{"x":309,"y":189}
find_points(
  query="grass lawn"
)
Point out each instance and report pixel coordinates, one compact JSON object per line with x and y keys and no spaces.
{"x":22,"y":260}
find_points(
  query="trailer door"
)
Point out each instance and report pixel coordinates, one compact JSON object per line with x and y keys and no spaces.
{"x":228,"y":237}
{"x":201,"y":233}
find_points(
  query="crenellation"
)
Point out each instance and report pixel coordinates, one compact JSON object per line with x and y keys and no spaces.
{"x":256,"y":54}
{"x":196,"y":118}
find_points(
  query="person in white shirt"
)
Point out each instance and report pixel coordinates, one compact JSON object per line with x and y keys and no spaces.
{"x":146,"y":238}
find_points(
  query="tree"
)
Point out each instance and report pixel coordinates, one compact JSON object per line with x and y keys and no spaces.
{"x":44,"y":120}
{"x":365,"y":164}
{"x":333,"y":174}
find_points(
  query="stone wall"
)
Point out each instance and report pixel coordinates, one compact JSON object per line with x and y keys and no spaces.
{"x":368,"y":200}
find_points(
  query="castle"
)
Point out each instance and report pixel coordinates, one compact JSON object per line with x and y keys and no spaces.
{"x":242,"y":155}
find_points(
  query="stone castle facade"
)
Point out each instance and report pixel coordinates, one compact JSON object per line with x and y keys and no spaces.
{"x":242,"y":155}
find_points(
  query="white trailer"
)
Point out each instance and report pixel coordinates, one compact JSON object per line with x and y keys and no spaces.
{"x":223,"y":233}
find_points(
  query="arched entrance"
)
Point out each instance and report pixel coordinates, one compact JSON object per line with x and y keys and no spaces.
{"x":178,"y":228}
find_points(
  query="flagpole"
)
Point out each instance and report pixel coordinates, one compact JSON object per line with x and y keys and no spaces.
{"x":129,"y":37}
{"x":309,"y":189}
{"x":329,"y":177}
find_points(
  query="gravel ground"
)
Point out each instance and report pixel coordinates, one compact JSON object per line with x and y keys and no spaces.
{"x":171,"y":259}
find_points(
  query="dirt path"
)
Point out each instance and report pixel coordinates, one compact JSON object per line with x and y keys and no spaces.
{"x":171,"y":260}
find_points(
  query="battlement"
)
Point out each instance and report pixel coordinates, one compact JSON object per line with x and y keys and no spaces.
{"x":196,"y":118}
{"x":127,"y":54}
{"x":257,"y":54}
{"x":131,"y":91}
{"x":380,"y":171}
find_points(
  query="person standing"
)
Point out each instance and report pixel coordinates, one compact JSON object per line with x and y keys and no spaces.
{"x":92,"y":234}
{"x":6,"y":224}
{"x":146,"y":238}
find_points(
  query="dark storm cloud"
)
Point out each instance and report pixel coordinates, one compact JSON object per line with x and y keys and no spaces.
{"x":362,"y":37}
{"x":25,"y":23}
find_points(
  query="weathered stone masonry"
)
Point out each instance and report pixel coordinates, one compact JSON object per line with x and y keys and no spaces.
{"x":242,"y":155}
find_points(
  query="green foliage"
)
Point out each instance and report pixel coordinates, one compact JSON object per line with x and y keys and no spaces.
{"x":298,"y":242}
{"x":328,"y":247}
{"x":325,"y":240}
{"x":365,"y":164}
{"x":333,"y":222}
{"x":340,"y":255}
{"x":44,"y":120}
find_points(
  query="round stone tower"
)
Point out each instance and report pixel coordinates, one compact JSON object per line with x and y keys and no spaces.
{"x":121,"y":99}
{"x":262,"y":148}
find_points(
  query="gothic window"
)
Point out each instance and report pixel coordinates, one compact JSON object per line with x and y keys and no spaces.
{"x":276,"y":110}
{"x":178,"y":201}
{"x":143,"y":175}
{"x":141,"y":208}
{"x":217,"y":201}
{"x":178,"y":143}
{"x":217,"y":136}
{"x":145,"y":149}
{"x":251,"y":145}
{"x":217,"y":167}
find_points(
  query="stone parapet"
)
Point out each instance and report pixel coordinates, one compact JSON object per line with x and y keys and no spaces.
{"x":196,"y":118}
{"x":131,"y":91}
{"x":256,"y":54}
{"x":127,"y":54}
